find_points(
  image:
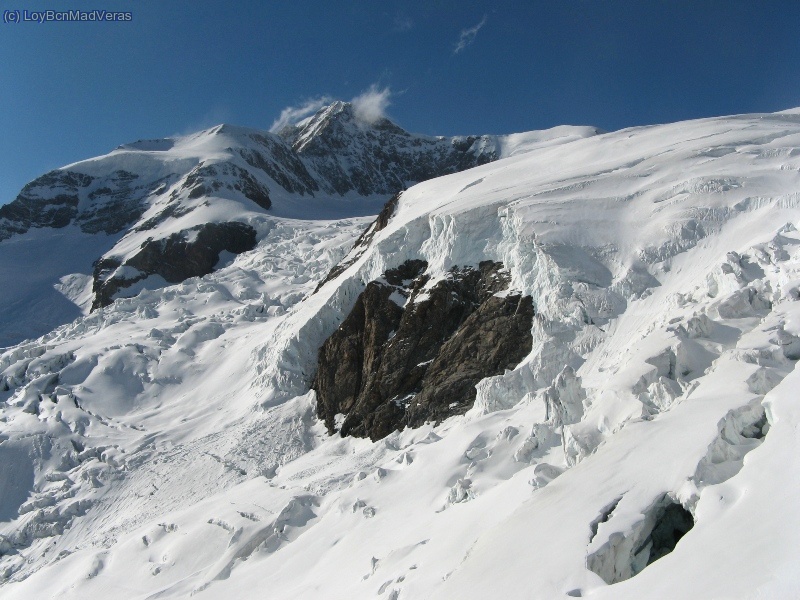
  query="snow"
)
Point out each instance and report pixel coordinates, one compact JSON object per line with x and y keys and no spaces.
{"x":77,"y":287}
{"x":33,"y":308}
{"x":167,"y":445}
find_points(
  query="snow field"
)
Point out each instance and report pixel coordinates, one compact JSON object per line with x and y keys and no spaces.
{"x":174,"y":450}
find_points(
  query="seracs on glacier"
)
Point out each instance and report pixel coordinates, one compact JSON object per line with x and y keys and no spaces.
{"x":167,"y":444}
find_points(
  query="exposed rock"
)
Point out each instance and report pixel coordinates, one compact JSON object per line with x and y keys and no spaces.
{"x":347,"y":154}
{"x":205,"y":179}
{"x":497,"y":336}
{"x":189,"y":253}
{"x":115,"y":205}
{"x":335,"y":152}
{"x":281,"y":163}
{"x":172,"y":211}
{"x":351,"y":357}
{"x":61,"y":197}
{"x":390,"y":365}
{"x":48,"y":201}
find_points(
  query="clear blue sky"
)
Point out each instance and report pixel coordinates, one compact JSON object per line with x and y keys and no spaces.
{"x":74,"y":90}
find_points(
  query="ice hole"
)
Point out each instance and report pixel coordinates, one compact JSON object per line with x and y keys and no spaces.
{"x":625,"y":555}
{"x":671,"y":525}
{"x":757,"y":430}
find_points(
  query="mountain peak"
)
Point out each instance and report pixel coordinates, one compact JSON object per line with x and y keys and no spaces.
{"x":336,"y":120}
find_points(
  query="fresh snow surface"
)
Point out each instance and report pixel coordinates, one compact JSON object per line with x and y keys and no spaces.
{"x":167,"y":445}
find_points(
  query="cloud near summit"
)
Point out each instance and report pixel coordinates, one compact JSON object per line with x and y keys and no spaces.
{"x":292,"y":114}
{"x":369,"y":106}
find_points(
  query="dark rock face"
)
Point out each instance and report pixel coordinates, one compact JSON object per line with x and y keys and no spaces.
{"x":171,"y":211}
{"x":190,"y":253}
{"x":117,"y":204}
{"x":204,"y":180}
{"x":48,"y":201}
{"x":104,"y":285}
{"x":347,"y":154}
{"x":59,"y":198}
{"x":497,"y":336}
{"x":209,"y":179}
{"x":388,"y":366}
{"x":281,"y":163}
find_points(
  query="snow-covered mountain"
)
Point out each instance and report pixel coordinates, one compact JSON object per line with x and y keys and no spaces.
{"x":156,"y":212}
{"x":565,"y":372}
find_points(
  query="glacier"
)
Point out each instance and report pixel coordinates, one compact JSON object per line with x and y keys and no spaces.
{"x":167,"y":444}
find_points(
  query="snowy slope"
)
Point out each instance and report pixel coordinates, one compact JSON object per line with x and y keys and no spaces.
{"x":167,"y":445}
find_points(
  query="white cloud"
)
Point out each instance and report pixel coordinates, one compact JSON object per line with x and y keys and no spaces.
{"x":292,"y":114}
{"x":468,"y":36}
{"x":403,"y":23}
{"x":371,"y":105}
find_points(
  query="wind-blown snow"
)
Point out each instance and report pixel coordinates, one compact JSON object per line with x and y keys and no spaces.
{"x":371,"y":105}
{"x":167,"y":445}
{"x":291,"y":115}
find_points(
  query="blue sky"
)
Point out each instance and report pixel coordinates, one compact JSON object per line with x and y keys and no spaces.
{"x":74,"y":90}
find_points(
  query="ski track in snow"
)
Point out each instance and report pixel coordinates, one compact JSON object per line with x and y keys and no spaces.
{"x":168,"y":445}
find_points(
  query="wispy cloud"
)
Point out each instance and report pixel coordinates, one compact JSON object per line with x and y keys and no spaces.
{"x":402,"y":23}
{"x":468,"y":36}
{"x":371,"y":105}
{"x":292,"y":114}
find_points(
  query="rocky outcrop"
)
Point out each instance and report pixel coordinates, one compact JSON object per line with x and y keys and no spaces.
{"x":496,"y":337}
{"x":190,"y":253}
{"x":48,"y":201}
{"x":281,"y":163}
{"x":64,"y":197}
{"x":349,"y":155}
{"x":119,"y":202}
{"x":205,"y":180}
{"x":412,"y":350}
